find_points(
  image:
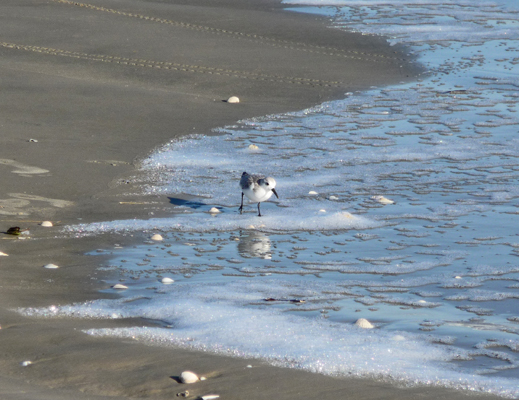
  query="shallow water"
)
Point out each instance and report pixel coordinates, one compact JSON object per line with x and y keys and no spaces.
{"x":436,"y":272}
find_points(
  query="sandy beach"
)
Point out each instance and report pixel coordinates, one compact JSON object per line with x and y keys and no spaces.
{"x":89,"y":89}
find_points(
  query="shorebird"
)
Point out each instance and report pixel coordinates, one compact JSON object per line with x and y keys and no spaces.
{"x":257,"y":188}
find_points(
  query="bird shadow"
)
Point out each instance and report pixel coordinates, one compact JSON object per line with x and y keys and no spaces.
{"x":186,"y":203}
{"x":176,"y":378}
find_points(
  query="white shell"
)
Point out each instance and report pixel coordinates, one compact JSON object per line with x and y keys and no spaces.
{"x":333,"y":198}
{"x":422,"y":301}
{"x":51,"y":266}
{"x":214,"y":210}
{"x":313,"y":193}
{"x":364,"y":323}
{"x":322,"y":210}
{"x":167,"y":281}
{"x":3,"y":254}
{"x":382,"y":200}
{"x":119,"y":286}
{"x":209,"y":396}
{"x":458,"y":277}
{"x":46,"y":224}
{"x":233,"y":99}
{"x":203,"y":378}
{"x":157,"y":237}
{"x":188,"y":377}
{"x":25,"y":363}
{"x":253,"y":147}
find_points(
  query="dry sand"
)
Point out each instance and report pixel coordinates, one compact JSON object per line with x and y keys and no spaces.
{"x":97,"y":86}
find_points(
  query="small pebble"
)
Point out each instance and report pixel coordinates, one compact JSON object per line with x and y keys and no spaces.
{"x":157,"y":237}
{"x":167,"y":281}
{"x":214,"y":210}
{"x":46,"y":224}
{"x":313,"y":193}
{"x":25,"y":363}
{"x":233,"y":99}
{"x":51,"y":266}
{"x":188,"y":377}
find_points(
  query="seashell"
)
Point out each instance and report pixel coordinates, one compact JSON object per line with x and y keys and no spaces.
{"x":209,"y":396}
{"x":119,"y":286}
{"x":188,"y":377}
{"x":33,"y":141}
{"x":422,"y":301}
{"x":3,"y":254}
{"x":313,"y":193}
{"x":214,"y":210}
{"x":183,"y":394}
{"x":253,"y":147}
{"x":333,"y":198}
{"x":458,"y":277}
{"x":46,"y":224}
{"x":322,"y":210}
{"x":157,"y":237}
{"x":203,"y":378}
{"x":233,"y":99}
{"x":25,"y":363}
{"x":167,"y":281}
{"x":51,"y":266}
{"x":364,"y":323}
{"x":382,"y":200}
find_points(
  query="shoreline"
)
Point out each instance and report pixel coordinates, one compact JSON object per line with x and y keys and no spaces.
{"x":93,"y":116}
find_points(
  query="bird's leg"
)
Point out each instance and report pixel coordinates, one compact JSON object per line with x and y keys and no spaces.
{"x":241,"y":207}
{"x":259,"y":212}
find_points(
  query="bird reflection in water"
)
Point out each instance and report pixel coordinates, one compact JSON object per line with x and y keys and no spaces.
{"x":254,"y":244}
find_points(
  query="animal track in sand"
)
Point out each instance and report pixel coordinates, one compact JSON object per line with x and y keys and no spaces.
{"x":287,"y":44}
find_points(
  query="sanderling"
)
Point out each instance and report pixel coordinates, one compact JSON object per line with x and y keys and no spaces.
{"x":257,"y":188}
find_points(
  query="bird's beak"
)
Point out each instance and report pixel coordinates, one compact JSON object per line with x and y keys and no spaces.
{"x":274,"y":191}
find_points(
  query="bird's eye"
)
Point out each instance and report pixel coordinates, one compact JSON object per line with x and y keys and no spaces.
{"x":266,"y":183}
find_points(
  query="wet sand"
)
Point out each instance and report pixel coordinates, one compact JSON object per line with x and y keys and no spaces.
{"x":89,"y":89}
